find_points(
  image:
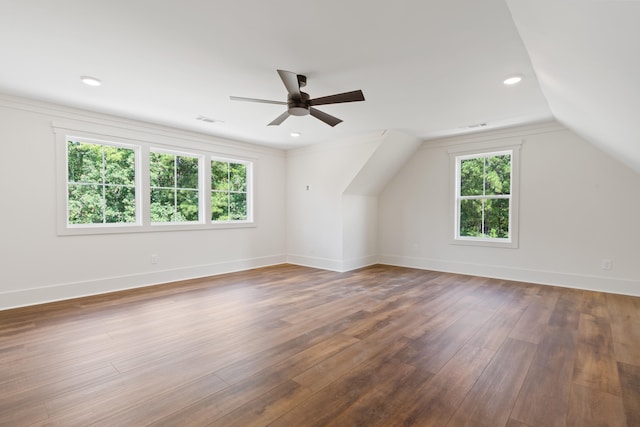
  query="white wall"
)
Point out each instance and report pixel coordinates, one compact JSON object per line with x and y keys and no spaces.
{"x":360,"y":198}
{"x":315,"y":216}
{"x":37,"y":265}
{"x":359,"y":231}
{"x":334,"y":224}
{"x":577,"y":207}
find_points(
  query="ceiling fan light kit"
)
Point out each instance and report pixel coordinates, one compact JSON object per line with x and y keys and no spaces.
{"x":300,"y":103}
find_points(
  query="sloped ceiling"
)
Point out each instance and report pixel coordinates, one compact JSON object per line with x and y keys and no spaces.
{"x":586,"y":56}
{"x":393,"y":151}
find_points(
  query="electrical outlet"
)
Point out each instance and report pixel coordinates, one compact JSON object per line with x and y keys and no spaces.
{"x":606,"y":264}
{"x":154,"y":259}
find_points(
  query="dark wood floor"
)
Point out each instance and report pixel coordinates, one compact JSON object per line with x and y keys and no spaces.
{"x":294,"y":346}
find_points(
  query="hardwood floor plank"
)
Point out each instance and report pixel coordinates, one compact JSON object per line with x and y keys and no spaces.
{"x":134,"y":411}
{"x":516,"y":423}
{"x":323,"y":344}
{"x":29,"y":389}
{"x":566,"y":312}
{"x":595,"y":304}
{"x":626,"y":337}
{"x":433,"y":351}
{"x":595,"y":364}
{"x":211,"y":407}
{"x":375,"y":404}
{"x":625,"y":327}
{"x":543,"y":399}
{"x":491,"y":399}
{"x":592,"y":408}
{"x":338,"y":396}
{"x":106,"y":396}
{"x":630,"y":382}
{"x":24,"y":414}
{"x":432,"y":401}
{"x":385,"y":342}
{"x":498,"y":327}
{"x":531,"y":326}
{"x":403,"y":397}
{"x":267,"y":407}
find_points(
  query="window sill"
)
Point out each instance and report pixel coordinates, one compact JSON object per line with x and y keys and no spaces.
{"x":152,"y":228}
{"x":487,"y":243}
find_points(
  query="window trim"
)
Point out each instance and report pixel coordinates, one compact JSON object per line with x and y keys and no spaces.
{"x":249,"y":191}
{"x":201,"y":201}
{"x":138,"y":198}
{"x":485,"y":150}
{"x":144,"y":144}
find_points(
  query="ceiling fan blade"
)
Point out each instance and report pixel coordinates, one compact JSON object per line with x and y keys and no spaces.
{"x":264,"y":101}
{"x":327,"y":118}
{"x":354,"y":96}
{"x":281,"y":118}
{"x":290,"y":81}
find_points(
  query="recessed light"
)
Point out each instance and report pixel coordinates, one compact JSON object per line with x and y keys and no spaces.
{"x":90,"y":81}
{"x":510,"y":81}
{"x":295,"y":134}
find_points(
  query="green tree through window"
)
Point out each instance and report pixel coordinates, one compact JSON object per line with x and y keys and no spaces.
{"x":228,"y":191}
{"x":101,"y":185}
{"x":129,"y":186}
{"x":174,"y":187}
{"x":484,"y":195}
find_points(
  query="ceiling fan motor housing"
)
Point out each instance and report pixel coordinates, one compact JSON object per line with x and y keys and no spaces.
{"x":298,"y":106}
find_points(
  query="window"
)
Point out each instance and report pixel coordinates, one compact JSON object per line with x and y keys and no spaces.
{"x":228,"y":191}
{"x":122,"y":183}
{"x":101,"y":183}
{"x":174,"y":188}
{"x":485,"y":202}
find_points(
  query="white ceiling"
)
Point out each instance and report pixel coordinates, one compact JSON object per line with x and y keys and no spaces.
{"x":427,"y":68}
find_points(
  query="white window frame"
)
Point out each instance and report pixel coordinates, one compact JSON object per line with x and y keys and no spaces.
{"x":456,"y":155}
{"x":138,"y":198}
{"x":144,"y":143}
{"x":201,"y":201}
{"x":249,"y":170}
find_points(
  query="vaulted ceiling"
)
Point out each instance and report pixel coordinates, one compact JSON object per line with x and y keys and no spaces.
{"x":427,"y":68}
{"x":586,"y":56}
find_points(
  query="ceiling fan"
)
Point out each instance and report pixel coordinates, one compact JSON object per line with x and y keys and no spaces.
{"x":298,"y":102}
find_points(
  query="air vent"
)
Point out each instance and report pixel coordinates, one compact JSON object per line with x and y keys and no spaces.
{"x":477,"y":125}
{"x":206,"y":119}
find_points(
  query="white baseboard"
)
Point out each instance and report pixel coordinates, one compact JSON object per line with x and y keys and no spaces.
{"x":614,"y":285}
{"x":64,"y":291}
{"x":338,"y":265}
{"x":315,"y":262}
{"x":355,"y":263}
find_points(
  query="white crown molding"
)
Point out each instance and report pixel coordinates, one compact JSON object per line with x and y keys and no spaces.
{"x":78,"y":119}
{"x":514,"y":132}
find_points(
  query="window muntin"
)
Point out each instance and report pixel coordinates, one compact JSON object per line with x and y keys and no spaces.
{"x":174,"y":187}
{"x":484,"y":197}
{"x":101,"y":183}
{"x":229,"y":191}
